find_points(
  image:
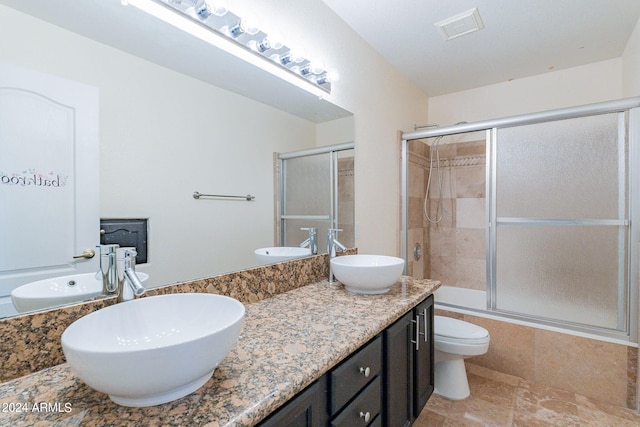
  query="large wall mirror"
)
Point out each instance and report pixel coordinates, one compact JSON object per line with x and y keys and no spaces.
{"x":173,"y":120}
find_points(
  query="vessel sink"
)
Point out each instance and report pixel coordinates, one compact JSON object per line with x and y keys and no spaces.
{"x":278,"y":254}
{"x":367,"y":274}
{"x":153,"y":350}
{"x":60,"y":290}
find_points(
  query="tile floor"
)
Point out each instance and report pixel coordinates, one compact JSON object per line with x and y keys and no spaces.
{"x":504,"y":400}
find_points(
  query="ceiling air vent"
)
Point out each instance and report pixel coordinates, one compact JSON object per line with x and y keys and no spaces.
{"x":461,"y":24}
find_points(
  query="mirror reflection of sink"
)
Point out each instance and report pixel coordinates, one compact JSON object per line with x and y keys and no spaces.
{"x":60,"y":290}
{"x":367,"y":274}
{"x":278,"y":254}
{"x":153,"y":350}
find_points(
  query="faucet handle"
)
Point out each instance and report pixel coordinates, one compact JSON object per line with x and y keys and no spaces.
{"x":131,"y":252}
{"x":311,"y":230}
{"x":128,"y":255}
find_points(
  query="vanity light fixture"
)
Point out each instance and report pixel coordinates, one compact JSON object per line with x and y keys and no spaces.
{"x":212,"y":22}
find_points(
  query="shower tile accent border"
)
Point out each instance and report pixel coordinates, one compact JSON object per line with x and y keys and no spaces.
{"x":31,"y":342}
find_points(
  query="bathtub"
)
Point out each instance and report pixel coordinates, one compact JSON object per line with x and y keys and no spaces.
{"x":474,"y":302}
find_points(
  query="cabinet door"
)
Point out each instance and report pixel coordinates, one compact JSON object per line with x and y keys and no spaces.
{"x":398,"y":359}
{"x":307,"y":409}
{"x":423,"y":378}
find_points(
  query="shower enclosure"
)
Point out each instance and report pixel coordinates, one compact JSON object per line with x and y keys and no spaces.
{"x":315,"y":189}
{"x":560,"y":191}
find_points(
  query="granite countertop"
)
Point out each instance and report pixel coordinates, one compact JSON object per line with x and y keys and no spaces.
{"x":287,"y":342}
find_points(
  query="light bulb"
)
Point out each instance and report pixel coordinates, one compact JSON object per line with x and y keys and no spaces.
{"x":323,"y":79}
{"x":285,"y":59}
{"x":296,"y":56}
{"x":276,"y":41}
{"x":244,"y":26}
{"x":316,"y":67}
{"x":217,"y":7}
{"x":259,"y":46}
{"x":304,"y":71}
{"x":249,"y":26}
{"x":212,"y":7}
{"x":203,"y":12}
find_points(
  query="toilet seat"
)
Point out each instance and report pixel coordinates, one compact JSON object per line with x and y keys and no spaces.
{"x":465,"y":341}
{"x":452,"y":330}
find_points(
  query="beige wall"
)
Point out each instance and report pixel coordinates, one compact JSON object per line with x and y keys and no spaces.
{"x":600,"y":81}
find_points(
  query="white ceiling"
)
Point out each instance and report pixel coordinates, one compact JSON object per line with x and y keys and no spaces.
{"x":520,"y":38}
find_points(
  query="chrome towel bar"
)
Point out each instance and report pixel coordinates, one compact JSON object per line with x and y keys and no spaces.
{"x":248,"y":197}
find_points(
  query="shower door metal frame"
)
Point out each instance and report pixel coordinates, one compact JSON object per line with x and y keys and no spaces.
{"x":332,"y":218}
{"x":630,"y":105}
{"x":625,"y":267}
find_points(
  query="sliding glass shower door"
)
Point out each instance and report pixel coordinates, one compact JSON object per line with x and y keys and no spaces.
{"x":310,"y":197}
{"x":559,"y":221}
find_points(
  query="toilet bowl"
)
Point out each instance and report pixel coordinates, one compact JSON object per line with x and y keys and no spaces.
{"x":456,"y":340}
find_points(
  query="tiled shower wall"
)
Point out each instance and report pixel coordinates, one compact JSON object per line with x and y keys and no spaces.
{"x":346,"y":219}
{"x":459,"y":235}
{"x":453,"y":251}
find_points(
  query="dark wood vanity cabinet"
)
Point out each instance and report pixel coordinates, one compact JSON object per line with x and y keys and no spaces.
{"x":355,"y":387}
{"x":408,"y":360}
{"x":423,"y":375}
{"x":386,"y":382}
{"x":307,"y":409}
{"x":399,"y":361}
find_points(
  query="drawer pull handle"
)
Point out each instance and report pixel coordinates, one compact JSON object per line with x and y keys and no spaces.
{"x":366,"y":416}
{"x":365,"y":371}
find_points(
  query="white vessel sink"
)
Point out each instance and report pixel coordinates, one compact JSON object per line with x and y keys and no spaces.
{"x":153,"y":350}
{"x":367,"y":274}
{"x":57,"y":291}
{"x":278,"y":254}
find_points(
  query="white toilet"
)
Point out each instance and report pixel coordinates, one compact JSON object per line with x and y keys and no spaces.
{"x":456,"y":340}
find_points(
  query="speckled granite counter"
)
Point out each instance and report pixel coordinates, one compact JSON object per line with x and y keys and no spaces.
{"x":287,"y":342}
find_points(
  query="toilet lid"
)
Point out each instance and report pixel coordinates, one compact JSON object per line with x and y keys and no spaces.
{"x":459,"y":329}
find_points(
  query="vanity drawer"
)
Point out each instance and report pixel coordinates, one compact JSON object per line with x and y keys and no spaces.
{"x":364,"y":410}
{"x":353,"y":374}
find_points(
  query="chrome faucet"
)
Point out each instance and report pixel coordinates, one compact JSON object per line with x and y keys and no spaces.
{"x":126,"y":268}
{"x":332,"y":246}
{"x":108,"y":269}
{"x":312,"y":241}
